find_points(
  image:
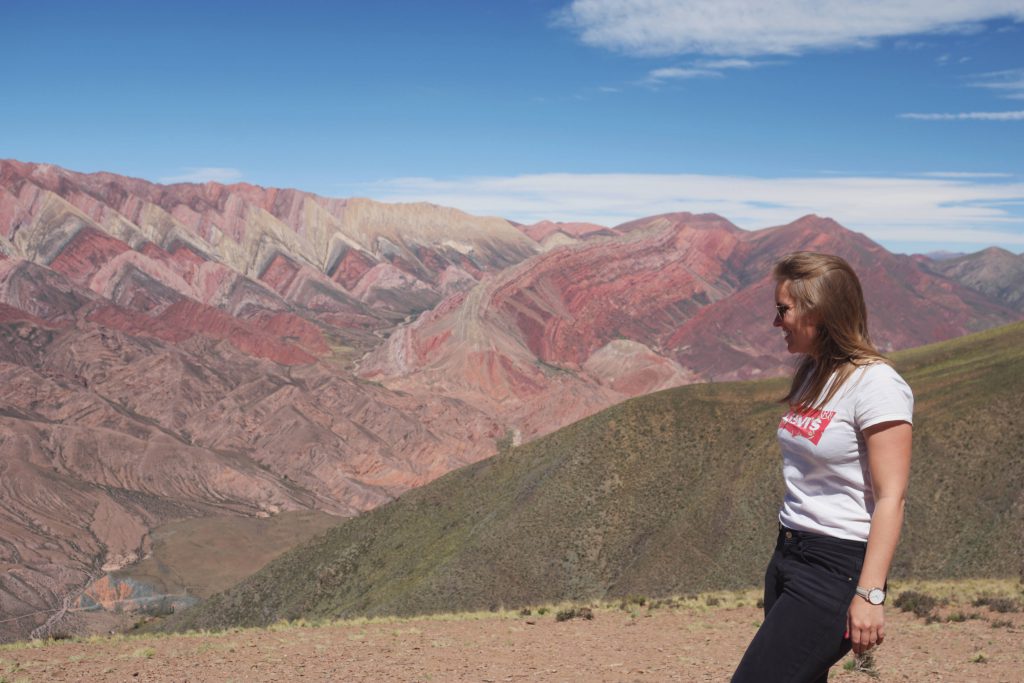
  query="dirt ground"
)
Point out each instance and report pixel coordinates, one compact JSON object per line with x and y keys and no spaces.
{"x":691,"y":642}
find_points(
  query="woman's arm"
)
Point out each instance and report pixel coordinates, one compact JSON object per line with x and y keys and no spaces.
{"x":888,"y":447}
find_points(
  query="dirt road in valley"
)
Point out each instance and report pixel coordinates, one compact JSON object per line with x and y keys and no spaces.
{"x":688,"y":643}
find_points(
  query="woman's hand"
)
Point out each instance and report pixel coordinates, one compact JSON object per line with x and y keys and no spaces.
{"x":865,"y":624}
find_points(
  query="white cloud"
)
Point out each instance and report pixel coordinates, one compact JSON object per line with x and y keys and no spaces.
{"x":1009,"y":83}
{"x":754,"y":27}
{"x":205,"y":174}
{"x":964,"y":174}
{"x":676,"y":73}
{"x":931,"y":212}
{"x":729,"y":64}
{"x":708,"y":68}
{"x":969,"y":116}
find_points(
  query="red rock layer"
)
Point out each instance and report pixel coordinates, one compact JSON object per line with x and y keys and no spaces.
{"x":693,"y":291}
{"x":539,"y":232}
{"x":171,"y":351}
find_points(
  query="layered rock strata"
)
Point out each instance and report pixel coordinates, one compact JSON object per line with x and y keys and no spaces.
{"x":190,"y":350}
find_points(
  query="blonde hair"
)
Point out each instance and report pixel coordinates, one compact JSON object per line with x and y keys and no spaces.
{"x":826,"y":288}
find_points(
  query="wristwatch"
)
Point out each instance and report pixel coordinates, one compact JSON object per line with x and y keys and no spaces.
{"x":876,"y":596}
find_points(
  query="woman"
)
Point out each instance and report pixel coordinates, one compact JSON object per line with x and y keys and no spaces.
{"x":846,"y":459}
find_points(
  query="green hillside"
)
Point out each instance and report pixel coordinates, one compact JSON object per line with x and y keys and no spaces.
{"x":668,"y":493}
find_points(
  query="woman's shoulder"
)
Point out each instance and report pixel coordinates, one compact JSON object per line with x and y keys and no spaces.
{"x":876,"y":367}
{"x":879,"y":371}
{"x":873,"y":376}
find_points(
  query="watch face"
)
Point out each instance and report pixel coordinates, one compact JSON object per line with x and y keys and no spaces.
{"x":876,"y":596}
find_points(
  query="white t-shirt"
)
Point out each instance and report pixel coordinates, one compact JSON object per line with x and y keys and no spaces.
{"x":824,"y":455}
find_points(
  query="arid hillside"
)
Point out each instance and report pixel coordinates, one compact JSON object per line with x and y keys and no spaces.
{"x":668,"y":493}
{"x":171,"y":352}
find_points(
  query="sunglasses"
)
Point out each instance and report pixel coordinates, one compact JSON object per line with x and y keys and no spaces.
{"x":780,"y":310}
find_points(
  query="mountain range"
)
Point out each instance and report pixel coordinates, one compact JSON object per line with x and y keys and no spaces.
{"x":179,"y":351}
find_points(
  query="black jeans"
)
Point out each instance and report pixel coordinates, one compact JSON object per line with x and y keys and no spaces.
{"x":808,"y":587}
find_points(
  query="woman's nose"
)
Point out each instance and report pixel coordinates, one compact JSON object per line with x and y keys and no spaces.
{"x":778,"y":320}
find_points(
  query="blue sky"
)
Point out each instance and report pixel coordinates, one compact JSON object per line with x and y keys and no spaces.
{"x":901,"y":119}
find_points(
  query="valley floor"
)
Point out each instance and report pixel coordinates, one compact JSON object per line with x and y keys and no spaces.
{"x":681,"y":641}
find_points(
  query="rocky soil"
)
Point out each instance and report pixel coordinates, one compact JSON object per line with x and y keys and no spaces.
{"x":687,"y":642}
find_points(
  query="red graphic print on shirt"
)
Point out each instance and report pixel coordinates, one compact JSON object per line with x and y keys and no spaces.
{"x":809,"y":423}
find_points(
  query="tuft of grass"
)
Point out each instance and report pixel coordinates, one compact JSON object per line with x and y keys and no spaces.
{"x":921,"y":604}
{"x":998,"y":603}
{"x":863,"y":663}
{"x":979,"y":658}
{"x":144,"y":653}
{"x":575,"y":613}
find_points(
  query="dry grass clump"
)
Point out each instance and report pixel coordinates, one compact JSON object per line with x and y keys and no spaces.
{"x":863,"y":664}
{"x":575,"y":613}
{"x":998,"y":603}
{"x":921,"y":604}
{"x":931,"y":600}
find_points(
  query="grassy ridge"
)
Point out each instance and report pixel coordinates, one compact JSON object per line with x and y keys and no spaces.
{"x":668,"y":493}
{"x":965,"y":513}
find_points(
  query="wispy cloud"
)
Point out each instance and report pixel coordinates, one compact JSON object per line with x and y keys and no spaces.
{"x":969,"y":116}
{"x":753,"y":27}
{"x":730,"y":64}
{"x":205,"y":174}
{"x":964,"y":174}
{"x":905,"y":44}
{"x":1009,"y":83}
{"x":705,"y":68}
{"x":678,"y":73}
{"x":937,"y":211}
